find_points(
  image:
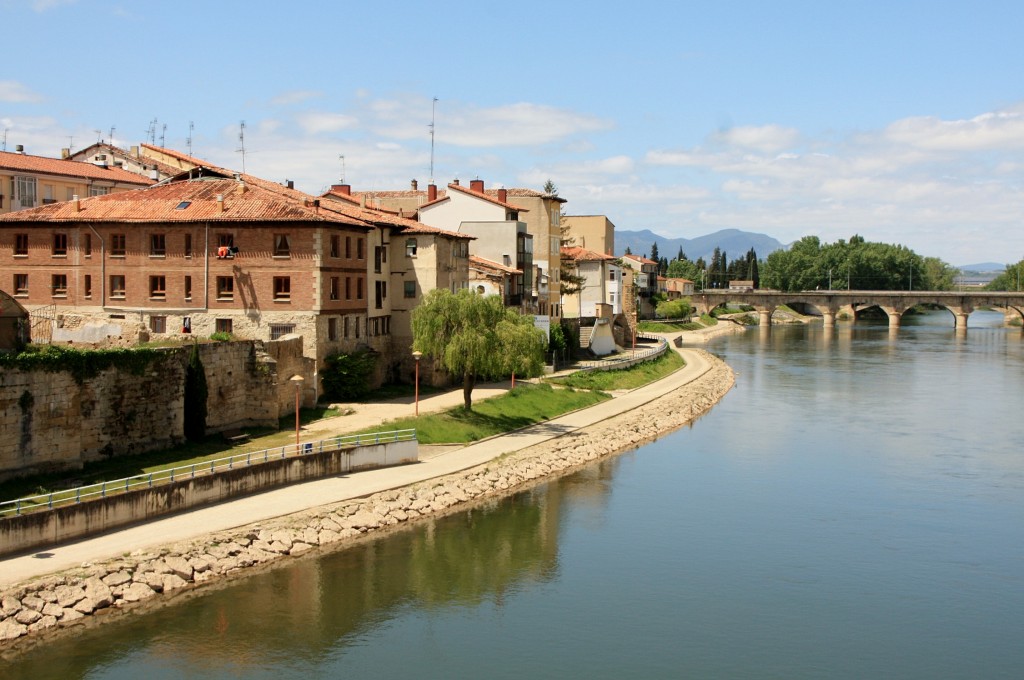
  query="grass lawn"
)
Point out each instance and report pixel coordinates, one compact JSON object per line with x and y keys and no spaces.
{"x":658,"y":327}
{"x":525,"y":405}
{"x":626,"y":378}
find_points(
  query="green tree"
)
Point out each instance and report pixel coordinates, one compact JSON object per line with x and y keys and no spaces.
{"x":654,"y":251}
{"x":550,"y":188}
{"x":1011,"y":279}
{"x":472,"y":336}
{"x":569,"y":282}
{"x":675,"y":309}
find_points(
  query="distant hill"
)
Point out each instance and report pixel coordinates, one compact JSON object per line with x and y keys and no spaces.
{"x":733,"y":241}
{"x":981,"y":267}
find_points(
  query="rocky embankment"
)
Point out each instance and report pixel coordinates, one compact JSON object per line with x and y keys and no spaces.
{"x":93,"y":592}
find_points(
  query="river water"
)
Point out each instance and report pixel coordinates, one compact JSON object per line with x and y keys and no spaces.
{"x":854,"y":508}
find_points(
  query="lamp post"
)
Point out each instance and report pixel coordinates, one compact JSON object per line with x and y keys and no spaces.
{"x":297,"y":380}
{"x":416,"y":354}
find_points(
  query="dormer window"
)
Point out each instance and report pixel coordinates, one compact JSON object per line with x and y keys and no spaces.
{"x":183,"y":205}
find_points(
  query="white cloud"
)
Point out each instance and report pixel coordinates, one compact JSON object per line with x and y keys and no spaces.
{"x":999,"y":130}
{"x":318,"y":123}
{"x":295,"y":97}
{"x":45,"y":5}
{"x":764,"y":138}
{"x":14,"y":92}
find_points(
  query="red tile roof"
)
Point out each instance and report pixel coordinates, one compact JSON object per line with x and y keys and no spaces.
{"x":485,"y":197}
{"x":583,"y":255}
{"x":20,"y":162}
{"x":492,"y":266}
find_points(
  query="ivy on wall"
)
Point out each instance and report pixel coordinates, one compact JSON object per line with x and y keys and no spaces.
{"x":81,"y":364}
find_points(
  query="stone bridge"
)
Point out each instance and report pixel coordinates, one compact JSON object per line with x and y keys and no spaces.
{"x":893,"y":302}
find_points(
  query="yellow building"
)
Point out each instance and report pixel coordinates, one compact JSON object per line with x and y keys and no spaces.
{"x":593,"y":232}
{"x":31,"y":181}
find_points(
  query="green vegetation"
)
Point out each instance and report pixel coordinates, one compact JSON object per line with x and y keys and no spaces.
{"x":347,"y":376}
{"x":666,"y":326}
{"x":221,"y":336}
{"x":626,"y":378}
{"x":853,"y":265}
{"x":1009,"y":280}
{"x":708,"y":320}
{"x":675,"y":309}
{"x":525,"y":405}
{"x":473,"y":336}
{"x":81,"y":364}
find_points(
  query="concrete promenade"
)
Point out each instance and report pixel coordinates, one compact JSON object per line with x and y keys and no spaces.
{"x":435,"y":462}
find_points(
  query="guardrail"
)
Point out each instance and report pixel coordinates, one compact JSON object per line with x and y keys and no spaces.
{"x":55,"y":499}
{"x":628,"y":358}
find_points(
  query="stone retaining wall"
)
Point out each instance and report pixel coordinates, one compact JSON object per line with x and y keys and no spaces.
{"x":54,"y":603}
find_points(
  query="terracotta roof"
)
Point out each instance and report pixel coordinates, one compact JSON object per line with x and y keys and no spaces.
{"x":640,"y":259}
{"x":583,"y":255}
{"x":192,"y":200}
{"x":20,"y":162}
{"x":528,"y":193}
{"x":485,"y":197}
{"x":348,"y":206}
{"x":180,"y":156}
{"x":491,"y":265}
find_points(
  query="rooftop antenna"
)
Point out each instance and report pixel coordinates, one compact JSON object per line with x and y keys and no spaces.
{"x":188,"y":141}
{"x":151,"y":132}
{"x":241,"y":144}
{"x":5,"y":138}
{"x":163,"y":135}
{"x":112,"y":128}
{"x":71,"y":141}
{"x":99,"y":136}
{"x":342,"y":157}
{"x":433,"y":107}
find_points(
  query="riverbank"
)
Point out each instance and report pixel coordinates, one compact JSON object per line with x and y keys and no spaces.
{"x":41,"y":607}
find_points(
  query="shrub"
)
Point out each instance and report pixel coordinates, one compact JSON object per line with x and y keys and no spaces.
{"x":347,"y":376}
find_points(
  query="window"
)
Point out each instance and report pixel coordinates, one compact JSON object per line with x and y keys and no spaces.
{"x":359,"y":288}
{"x":348,"y":287}
{"x":183,"y":205}
{"x":158,"y":287}
{"x":334,"y":287}
{"x":225,"y":240}
{"x":24,"y":192}
{"x":332,"y":328}
{"x":281,"y":246}
{"x":345,"y":326}
{"x":359,"y":248}
{"x":410,"y":247}
{"x":117,"y":245}
{"x":223,"y":326}
{"x":188,"y":288}
{"x":278,"y":331}
{"x":60,"y":245}
{"x":188,"y":245}
{"x":158,"y":324}
{"x":378,"y":258}
{"x":87,"y":286}
{"x":59,"y":285}
{"x":21,"y":284}
{"x":410,"y":289}
{"x":117,"y":286}
{"x":348,"y":246}
{"x":335,"y":246}
{"x":98,"y":191}
{"x":21,"y":244}
{"x":225,"y":288}
{"x":157,"y":245}
{"x":282,"y":288}
{"x":381,"y":293}
{"x":357,"y":326}
{"x":460,"y":249}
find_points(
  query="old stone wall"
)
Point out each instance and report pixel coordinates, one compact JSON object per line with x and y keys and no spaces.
{"x":50,"y":422}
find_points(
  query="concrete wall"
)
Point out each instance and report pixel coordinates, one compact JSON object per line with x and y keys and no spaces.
{"x":25,"y":532}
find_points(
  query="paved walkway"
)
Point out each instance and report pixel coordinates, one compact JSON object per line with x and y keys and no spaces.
{"x":437,"y":462}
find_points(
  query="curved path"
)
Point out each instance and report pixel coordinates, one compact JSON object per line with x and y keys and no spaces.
{"x":308,"y":495}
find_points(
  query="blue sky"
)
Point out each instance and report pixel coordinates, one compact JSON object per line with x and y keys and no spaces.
{"x":899,"y":121}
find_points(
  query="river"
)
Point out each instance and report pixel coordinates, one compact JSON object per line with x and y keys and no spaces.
{"x":854,"y":508}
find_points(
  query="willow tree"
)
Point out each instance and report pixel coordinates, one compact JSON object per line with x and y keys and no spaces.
{"x":473,"y":336}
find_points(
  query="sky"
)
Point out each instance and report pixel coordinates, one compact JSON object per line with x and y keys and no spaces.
{"x":899,"y":121}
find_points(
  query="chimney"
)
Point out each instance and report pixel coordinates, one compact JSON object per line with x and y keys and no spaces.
{"x":289,"y":184}
{"x":503,"y":195}
{"x":65,"y":153}
{"x":241,"y":188}
{"x":220,"y":203}
{"x":343,"y":189}
{"x":134,"y":151}
{"x":431,"y":192}
{"x":415,"y":185}
{"x":455,"y":181}
{"x":19,"y":149}
{"x":76,"y":203}
{"x":476,"y":185}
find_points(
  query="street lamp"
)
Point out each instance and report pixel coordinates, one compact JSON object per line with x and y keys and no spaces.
{"x":416,"y":354}
{"x":297,"y":380}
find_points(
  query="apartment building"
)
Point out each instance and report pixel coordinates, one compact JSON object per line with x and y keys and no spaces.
{"x":28,"y":181}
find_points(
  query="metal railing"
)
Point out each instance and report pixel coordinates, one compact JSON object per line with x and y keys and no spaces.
{"x":626,"y":358}
{"x":54,"y":499}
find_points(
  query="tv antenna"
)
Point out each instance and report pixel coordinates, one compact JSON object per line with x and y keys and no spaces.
{"x":433,"y":108}
{"x":111,"y":140}
{"x":6,"y":130}
{"x":188,"y":141}
{"x":163,"y":135}
{"x":241,"y":143}
{"x":342,"y":157}
{"x":71,"y":141}
{"x":99,"y":136}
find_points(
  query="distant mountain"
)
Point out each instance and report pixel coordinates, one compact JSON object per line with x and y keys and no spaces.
{"x":732,"y":241}
{"x":981,"y":267}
